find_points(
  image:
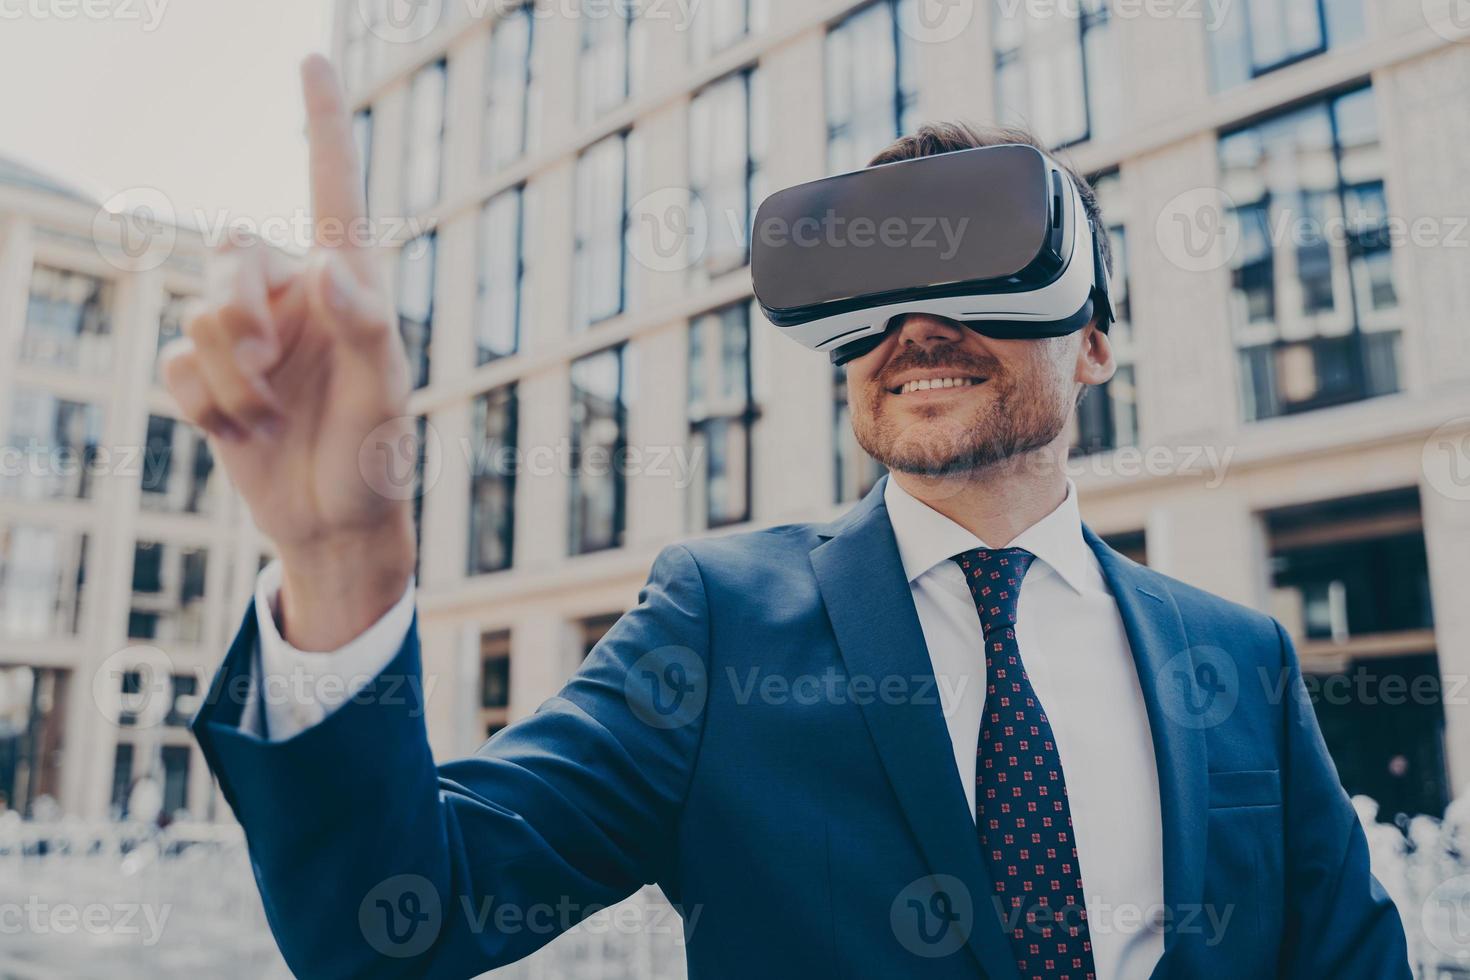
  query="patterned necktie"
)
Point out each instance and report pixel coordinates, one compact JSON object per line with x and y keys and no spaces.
{"x":1021,"y":809}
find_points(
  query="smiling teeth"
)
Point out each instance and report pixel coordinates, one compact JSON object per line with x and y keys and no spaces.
{"x":928,"y":383}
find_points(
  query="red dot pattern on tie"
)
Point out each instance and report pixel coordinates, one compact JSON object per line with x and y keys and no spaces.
{"x":1021,"y":809}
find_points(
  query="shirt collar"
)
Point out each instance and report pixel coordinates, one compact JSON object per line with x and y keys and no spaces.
{"x":926,"y":537}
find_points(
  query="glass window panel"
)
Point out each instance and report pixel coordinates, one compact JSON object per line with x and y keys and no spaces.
{"x":599,"y":436}
{"x":599,"y":265}
{"x":178,"y":473}
{"x":416,"y":280}
{"x":722,"y":172}
{"x":42,"y":574}
{"x":865,"y":91}
{"x":170,"y":324}
{"x":424,"y":150}
{"x":68,"y":321}
{"x":604,"y":64}
{"x":55,"y":443}
{"x":493,"y":481}
{"x":721,"y":414}
{"x":502,"y":274}
{"x":168,"y":593}
{"x":1306,"y":297}
{"x":508,"y":90}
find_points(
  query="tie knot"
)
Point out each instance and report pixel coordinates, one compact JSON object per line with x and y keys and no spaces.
{"x":994,"y":576}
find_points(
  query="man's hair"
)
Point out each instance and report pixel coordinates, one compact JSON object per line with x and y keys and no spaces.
{"x":933,"y":139}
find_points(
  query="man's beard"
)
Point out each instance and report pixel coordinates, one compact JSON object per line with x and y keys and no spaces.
{"x":1007,"y":425}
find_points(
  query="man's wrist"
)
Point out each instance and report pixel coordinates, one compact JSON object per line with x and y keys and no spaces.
{"x":336,"y":590}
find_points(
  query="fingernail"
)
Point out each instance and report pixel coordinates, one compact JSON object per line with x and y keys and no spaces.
{"x":255,"y":355}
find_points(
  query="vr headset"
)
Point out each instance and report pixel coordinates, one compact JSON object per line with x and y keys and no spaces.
{"x":996,"y":238}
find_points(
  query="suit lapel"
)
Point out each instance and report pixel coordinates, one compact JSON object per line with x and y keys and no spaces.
{"x":1167,"y":676}
{"x":867,"y":597}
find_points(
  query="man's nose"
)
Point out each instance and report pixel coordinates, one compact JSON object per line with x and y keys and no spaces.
{"x":923,"y":330}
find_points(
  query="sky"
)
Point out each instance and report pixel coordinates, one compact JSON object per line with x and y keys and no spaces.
{"x":198,"y":99}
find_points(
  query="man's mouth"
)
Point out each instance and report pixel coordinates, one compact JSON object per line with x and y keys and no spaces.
{"x":933,"y":384}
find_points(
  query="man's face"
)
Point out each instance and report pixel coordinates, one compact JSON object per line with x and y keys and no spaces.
{"x":935,"y":398}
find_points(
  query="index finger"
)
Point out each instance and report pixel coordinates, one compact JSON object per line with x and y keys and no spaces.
{"x":337,"y":204}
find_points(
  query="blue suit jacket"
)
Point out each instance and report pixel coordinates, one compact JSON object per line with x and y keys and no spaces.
{"x":761,"y":738}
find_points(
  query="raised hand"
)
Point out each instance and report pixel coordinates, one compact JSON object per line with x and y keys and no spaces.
{"x":300,"y":380}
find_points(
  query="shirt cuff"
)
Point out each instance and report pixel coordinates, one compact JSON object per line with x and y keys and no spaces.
{"x":300,"y":689}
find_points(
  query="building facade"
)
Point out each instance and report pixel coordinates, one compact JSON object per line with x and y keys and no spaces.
{"x":1282,"y":184}
{"x":1290,"y":425}
{"x":119,"y":540}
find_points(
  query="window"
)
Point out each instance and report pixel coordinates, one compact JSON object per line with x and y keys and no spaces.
{"x":493,"y":481}
{"x":424,"y":151}
{"x":726,"y":142}
{"x":1107,"y":418}
{"x":367,"y":21}
{"x":1130,"y":544}
{"x":508,"y":87}
{"x":170,"y":324}
{"x":872,"y":84}
{"x":500,"y":303}
{"x":175,"y":759}
{"x":1314,"y":308}
{"x":55,"y":443}
{"x":42,"y":574}
{"x":592,"y":629}
{"x":168,"y":593}
{"x":599,"y":442}
{"x":416,"y":280}
{"x":183,"y":700}
{"x":362,"y":135}
{"x":1260,"y":36}
{"x":495,"y":669}
{"x":1350,"y":582}
{"x":721,"y":415}
{"x":605,"y":61}
{"x":178,"y":468}
{"x":721,"y":24}
{"x":68,"y":321}
{"x":856,"y":472}
{"x":1056,"y":75}
{"x":122,"y":778}
{"x":600,"y":264}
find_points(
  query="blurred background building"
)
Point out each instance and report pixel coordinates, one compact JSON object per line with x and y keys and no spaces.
{"x":595,"y":381}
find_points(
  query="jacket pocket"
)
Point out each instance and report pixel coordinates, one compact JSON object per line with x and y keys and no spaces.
{"x":1246,"y":787}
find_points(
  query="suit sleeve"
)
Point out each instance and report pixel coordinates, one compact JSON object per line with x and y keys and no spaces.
{"x":372,"y":862}
{"x":1339,"y":920}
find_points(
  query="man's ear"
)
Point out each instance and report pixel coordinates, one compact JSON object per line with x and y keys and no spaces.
{"x":1095,"y":362}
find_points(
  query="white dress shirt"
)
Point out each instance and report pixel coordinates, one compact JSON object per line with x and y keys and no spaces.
{"x":1076,"y":652}
{"x":1072,"y":641}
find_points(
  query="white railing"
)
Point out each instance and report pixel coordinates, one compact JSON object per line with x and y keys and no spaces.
{"x":128,"y":900}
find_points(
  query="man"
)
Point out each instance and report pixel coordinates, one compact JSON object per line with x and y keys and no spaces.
{"x":951,"y":734}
